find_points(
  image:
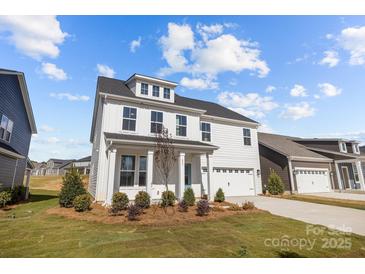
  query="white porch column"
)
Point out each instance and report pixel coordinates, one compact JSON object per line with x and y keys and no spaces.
{"x":149,"y":172}
{"x":361,"y":175}
{"x":209,"y":176}
{"x":339,"y":179}
{"x":181,"y":164}
{"x":111,"y":175}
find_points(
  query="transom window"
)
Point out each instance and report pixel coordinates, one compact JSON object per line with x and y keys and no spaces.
{"x":246,"y":136}
{"x":166,"y":93}
{"x":156,"y":121}
{"x":205,"y":129}
{"x":144,"y":89}
{"x":6,"y":128}
{"x":142,"y":171}
{"x":156,"y":91}
{"x":180,"y":125}
{"x":127,"y":170}
{"x":129,"y":118}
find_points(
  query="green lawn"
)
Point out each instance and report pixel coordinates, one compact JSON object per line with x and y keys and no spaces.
{"x":327,"y":201}
{"x":27,"y":231}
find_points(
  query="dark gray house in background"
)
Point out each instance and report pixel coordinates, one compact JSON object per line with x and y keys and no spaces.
{"x":16,"y":128}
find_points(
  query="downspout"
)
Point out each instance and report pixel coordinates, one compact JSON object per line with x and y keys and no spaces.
{"x":107,"y":180}
{"x":291,"y":175}
{"x":13,"y":182}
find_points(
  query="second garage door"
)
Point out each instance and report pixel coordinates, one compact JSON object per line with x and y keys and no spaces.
{"x":312,"y":180}
{"x":234,"y":182}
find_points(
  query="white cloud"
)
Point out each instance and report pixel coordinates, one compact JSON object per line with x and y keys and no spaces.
{"x":53,"y":72}
{"x":330,"y":58}
{"x":270,"y":89}
{"x":53,"y":140}
{"x":317,"y":96}
{"x":46,"y":128}
{"x":329,"y":36}
{"x":179,"y":38}
{"x":353,"y":40}
{"x":104,"y":70}
{"x":209,"y":56}
{"x":69,"y":96}
{"x":298,"y":91}
{"x":34,"y":36}
{"x":135,"y":44}
{"x":198,"y":83}
{"x":265,"y":128}
{"x":298,"y":111}
{"x":250,"y":104}
{"x":329,"y":90}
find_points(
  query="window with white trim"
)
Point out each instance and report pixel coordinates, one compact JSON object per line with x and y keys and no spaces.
{"x":127,"y":170}
{"x":166,"y":93}
{"x":343,"y":147}
{"x":246,"y":136}
{"x":156,"y":121}
{"x":356,"y":173}
{"x":144,"y":88}
{"x":356,"y":148}
{"x":142,"y":171}
{"x":129,"y":118}
{"x":181,"y":125}
{"x":6,"y":128}
{"x":156,"y":91}
{"x":206,"y":131}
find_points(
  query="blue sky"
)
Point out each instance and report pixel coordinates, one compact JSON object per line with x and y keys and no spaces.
{"x":301,"y":76}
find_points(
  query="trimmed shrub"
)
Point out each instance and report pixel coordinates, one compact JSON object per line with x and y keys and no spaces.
{"x":248,"y":205}
{"x":17,"y":194}
{"x":168,"y":198}
{"x":219,"y":196}
{"x":72,"y":186}
{"x":275,"y":184}
{"x":119,"y":202}
{"x":189,"y":196}
{"x":133,"y":212}
{"x":202,"y":208}
{"x":142,"y":199}
{"x":5,"y":198}
{"x":82,"y":202}
{"x":234,"y":207}
{"x":183,"y":206}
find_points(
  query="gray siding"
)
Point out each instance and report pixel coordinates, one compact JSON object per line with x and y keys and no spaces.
{"x":12,"y":105}
{"x":329,"y":145}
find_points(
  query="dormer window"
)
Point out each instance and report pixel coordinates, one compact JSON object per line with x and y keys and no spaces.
{"x":156,"y":91}
{"x":355,"y":148}
{"x":166,"y":93}
{"x":343,"y":147}
{"x":144,"y":89}
{"x":6,"y":128}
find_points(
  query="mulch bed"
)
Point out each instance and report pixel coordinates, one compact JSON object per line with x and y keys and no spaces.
{"x":154,"y":216}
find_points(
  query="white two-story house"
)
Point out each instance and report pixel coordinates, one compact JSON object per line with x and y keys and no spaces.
{"x":215,"y":147}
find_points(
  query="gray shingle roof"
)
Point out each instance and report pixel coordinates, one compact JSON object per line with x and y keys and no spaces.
{"x":118,"y":87}
{"x":287,"y":147}
{"x":118,"y":136}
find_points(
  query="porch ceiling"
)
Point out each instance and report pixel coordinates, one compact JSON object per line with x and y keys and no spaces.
{"x":148,"y":141}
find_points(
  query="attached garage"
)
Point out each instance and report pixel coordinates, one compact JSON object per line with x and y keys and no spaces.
{"x":234,"y":181}
{"x":312,"y":180}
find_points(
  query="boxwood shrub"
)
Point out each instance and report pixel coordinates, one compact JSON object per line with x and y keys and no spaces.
{"x":82,"y":202}
{"x":142,"y":199}
{"x":168,"y":198}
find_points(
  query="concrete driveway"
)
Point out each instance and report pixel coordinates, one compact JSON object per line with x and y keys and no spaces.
{"x":340,"y":218}
{"x":341,"y":195}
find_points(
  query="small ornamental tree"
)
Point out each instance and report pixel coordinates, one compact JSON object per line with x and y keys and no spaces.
{"x":189,"y":196}
{"x":164,"y":156}
{"x":72,"y":186}
{"x":275,"y":184}
{"x":219,"y":196}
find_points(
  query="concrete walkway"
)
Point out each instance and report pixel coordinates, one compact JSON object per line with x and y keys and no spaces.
{"x":340,"y":218}
{"x":340,"y":195}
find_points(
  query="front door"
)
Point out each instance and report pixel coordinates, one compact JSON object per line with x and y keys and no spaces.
{"x":187,"y":175}
{"x":346,"y":177}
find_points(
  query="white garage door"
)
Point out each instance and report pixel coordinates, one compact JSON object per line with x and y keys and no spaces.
{"x":234,"y":182}
{"x":312,"y":180}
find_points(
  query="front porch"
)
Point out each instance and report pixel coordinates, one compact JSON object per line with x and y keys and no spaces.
{"x":350,"y":175}
{"x":131,"y":168}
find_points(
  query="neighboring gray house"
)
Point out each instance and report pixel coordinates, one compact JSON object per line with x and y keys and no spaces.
{"x":57,"y":166}
{"x":82,"y":165}
{"x":16,"y":127}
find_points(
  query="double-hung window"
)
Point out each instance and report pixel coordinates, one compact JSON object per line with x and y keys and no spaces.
{"x":6,"y":128}
{"x":129,"y":118}
{"x":142,"y":171}
{"x":246,"y":136}
{"x":127,"y":170}
{"x":180,"y":125}
{"x":166,"y":93}
{"x":144,"y":89}
{"x":156,"y":91}
{"x":205,"y":129}
{"x":156,"y":121}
